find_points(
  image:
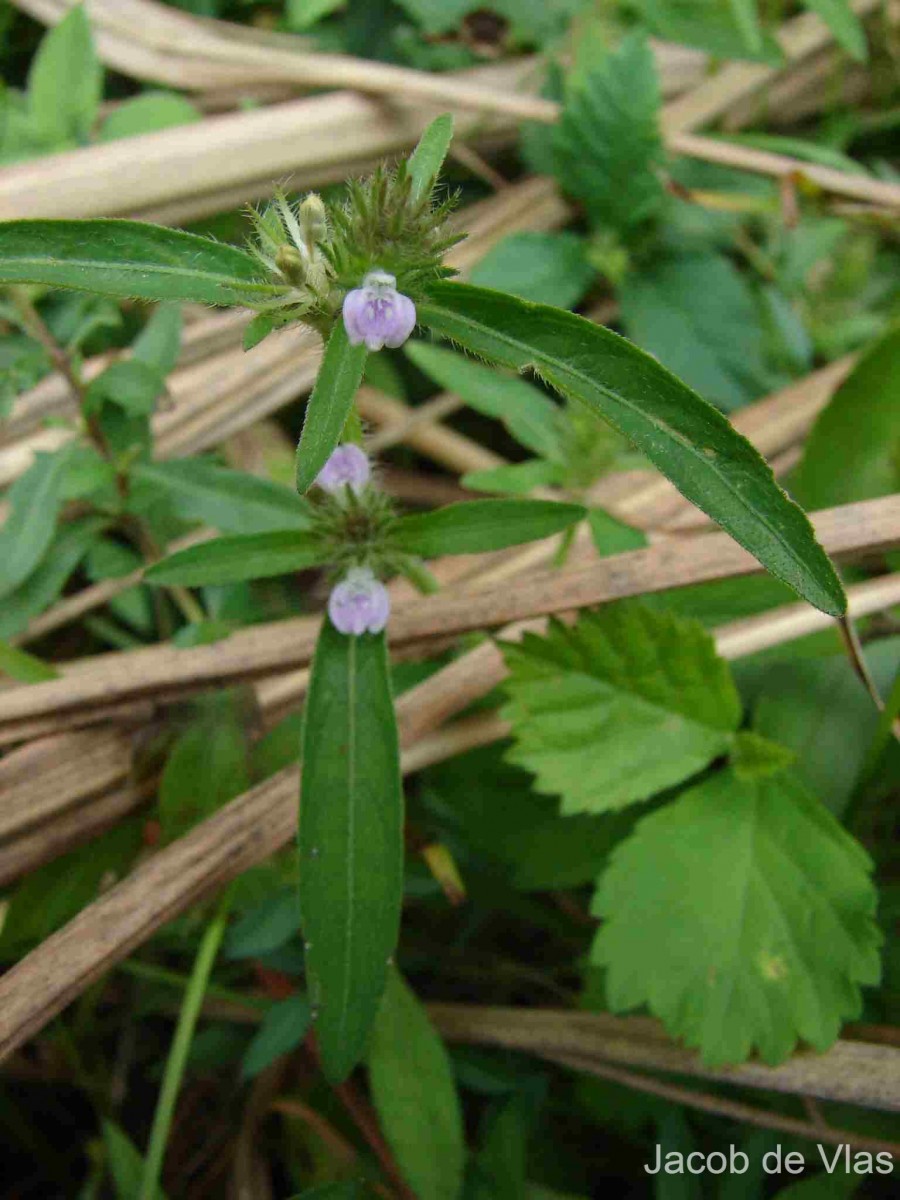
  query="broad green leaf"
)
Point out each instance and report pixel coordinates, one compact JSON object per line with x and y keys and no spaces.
{"x":65,"y":83}
{"x":424,"y":164}
{"x":147,"y":113}
{"x":697,"y":315}
{"x":686,"y":438}
{"x":44,"y":584}
{"x":532,"y":418}
{"x":350,"y":840}
{"x":742,"y":915}
{"x":231,"y":501}
{"x":283,"y":1028}
{"x":234,"y":559}
{"x":607,"y":144}
{"x":551,"y":268}
{"x":622,"y":704}
{"x":125,"y":1163}
{"x":853,"y":450}
{"x":843,"y":22}
{"x":133,"y":385}
{"x":24,"y":667}
{"x":34,"y":500}
{"x":207,"y":766}
{"x":129,"y":259}
{"x":415,"y":1095}
{"x":475,"y":526}
{"x":329,"y":405}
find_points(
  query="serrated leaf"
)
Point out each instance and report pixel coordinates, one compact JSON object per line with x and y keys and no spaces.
{"x":853,"y":450}
{"x":65,"y":83}
{"x":35,"y":499}
{"x":686,"y":438}
{"x":415,"y":1095}
{"x":697,"y":315}
{"x":235,"y":559}
{"x":622,"y":704}
{"x":283,"y":1028}
{"x":532,"y":418}
{"x":424,"y":164}
{"x":329,"y":405}
{"x":742,"y":915}
{"x":129,"y":259}
{"x":607,"y":144}
{"x":231,"y":501}
{"x":476,"y":526}
{"x":551,"y":268}
{"x":350,"y":841}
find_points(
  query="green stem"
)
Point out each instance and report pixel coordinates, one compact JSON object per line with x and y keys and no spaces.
{"x":181,"y":1045}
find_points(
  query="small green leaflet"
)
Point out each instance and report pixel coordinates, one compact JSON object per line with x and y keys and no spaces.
{"x":236,"y":559}
{"x":742,"y":915}
{"x":65,"y":83}
{"x":228,"y":500}
{"x":283,"y":1028}
{"x":622,"y":704}
{"x":424,"y":164}
{"x":476,"y":526}
{"x":686,"y":438}
{"x":130,"y":260}
{"x":607,"y":145}
{"x":350,"y":841}
{"x":415,"y":1095}
{"x":329,"y":405}
{"x":35,"y":500}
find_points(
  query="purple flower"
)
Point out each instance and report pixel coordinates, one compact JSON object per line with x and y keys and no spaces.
{"x":359,"y":603}
{"x":347,"y":467}
{"x":377,"y":314}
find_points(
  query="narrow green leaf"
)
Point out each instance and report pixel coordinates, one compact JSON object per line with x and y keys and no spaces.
{"x":747,"y":20}
{"x":35,"y":500}
{"x":283,"y":1028}
{"x":476,"y":526}
{"x":235,"y":559}
{"x":125,"y":1162}
{"x":514,"y":479}
{"x":159,"y":342}
{"x":686,"y":438}
{"x":133,"y":385}
{"x":415,"y":1095}
{"x":853,"y":450}
{"x":65,"y":83}
{"x":586,"y":702}
{"x":843,"y":22}
{"x":24,"y":667}
{"x":329,"y":405}
{"x":129,"y":259}
{"x":231,"y":501}
{"x":350,"y":840}
{"x":424,"y":164}
{"x":742,"y":914}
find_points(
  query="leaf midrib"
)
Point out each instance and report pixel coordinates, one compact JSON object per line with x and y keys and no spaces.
{"x":127,"y":268}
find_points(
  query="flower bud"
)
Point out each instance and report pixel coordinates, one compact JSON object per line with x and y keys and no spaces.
{"x":359,"y":603}
{"x":377,"y":313}
{"x":313,"y":224}
{"x":346,"y":467}
{"x":289,"y":262}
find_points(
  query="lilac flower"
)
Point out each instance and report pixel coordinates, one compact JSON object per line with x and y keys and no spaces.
{"x":359,"y":603}
{"x":346,"y":467}
{"x":377,"y":314}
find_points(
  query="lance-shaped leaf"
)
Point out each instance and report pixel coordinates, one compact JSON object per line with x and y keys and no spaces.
{"x":329,"y":405}
{"x":129,"y":259}
{"x":351,"y":841}
{"x":236,"y":559}
{"x":415,"y":1095}
{"x":34,"y":499}
{"x":742,"y":914}
{"x":686,"y":438}
{"x":425,"y":162}
{"x":624,"y":703}
{"x":475,"y":526}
